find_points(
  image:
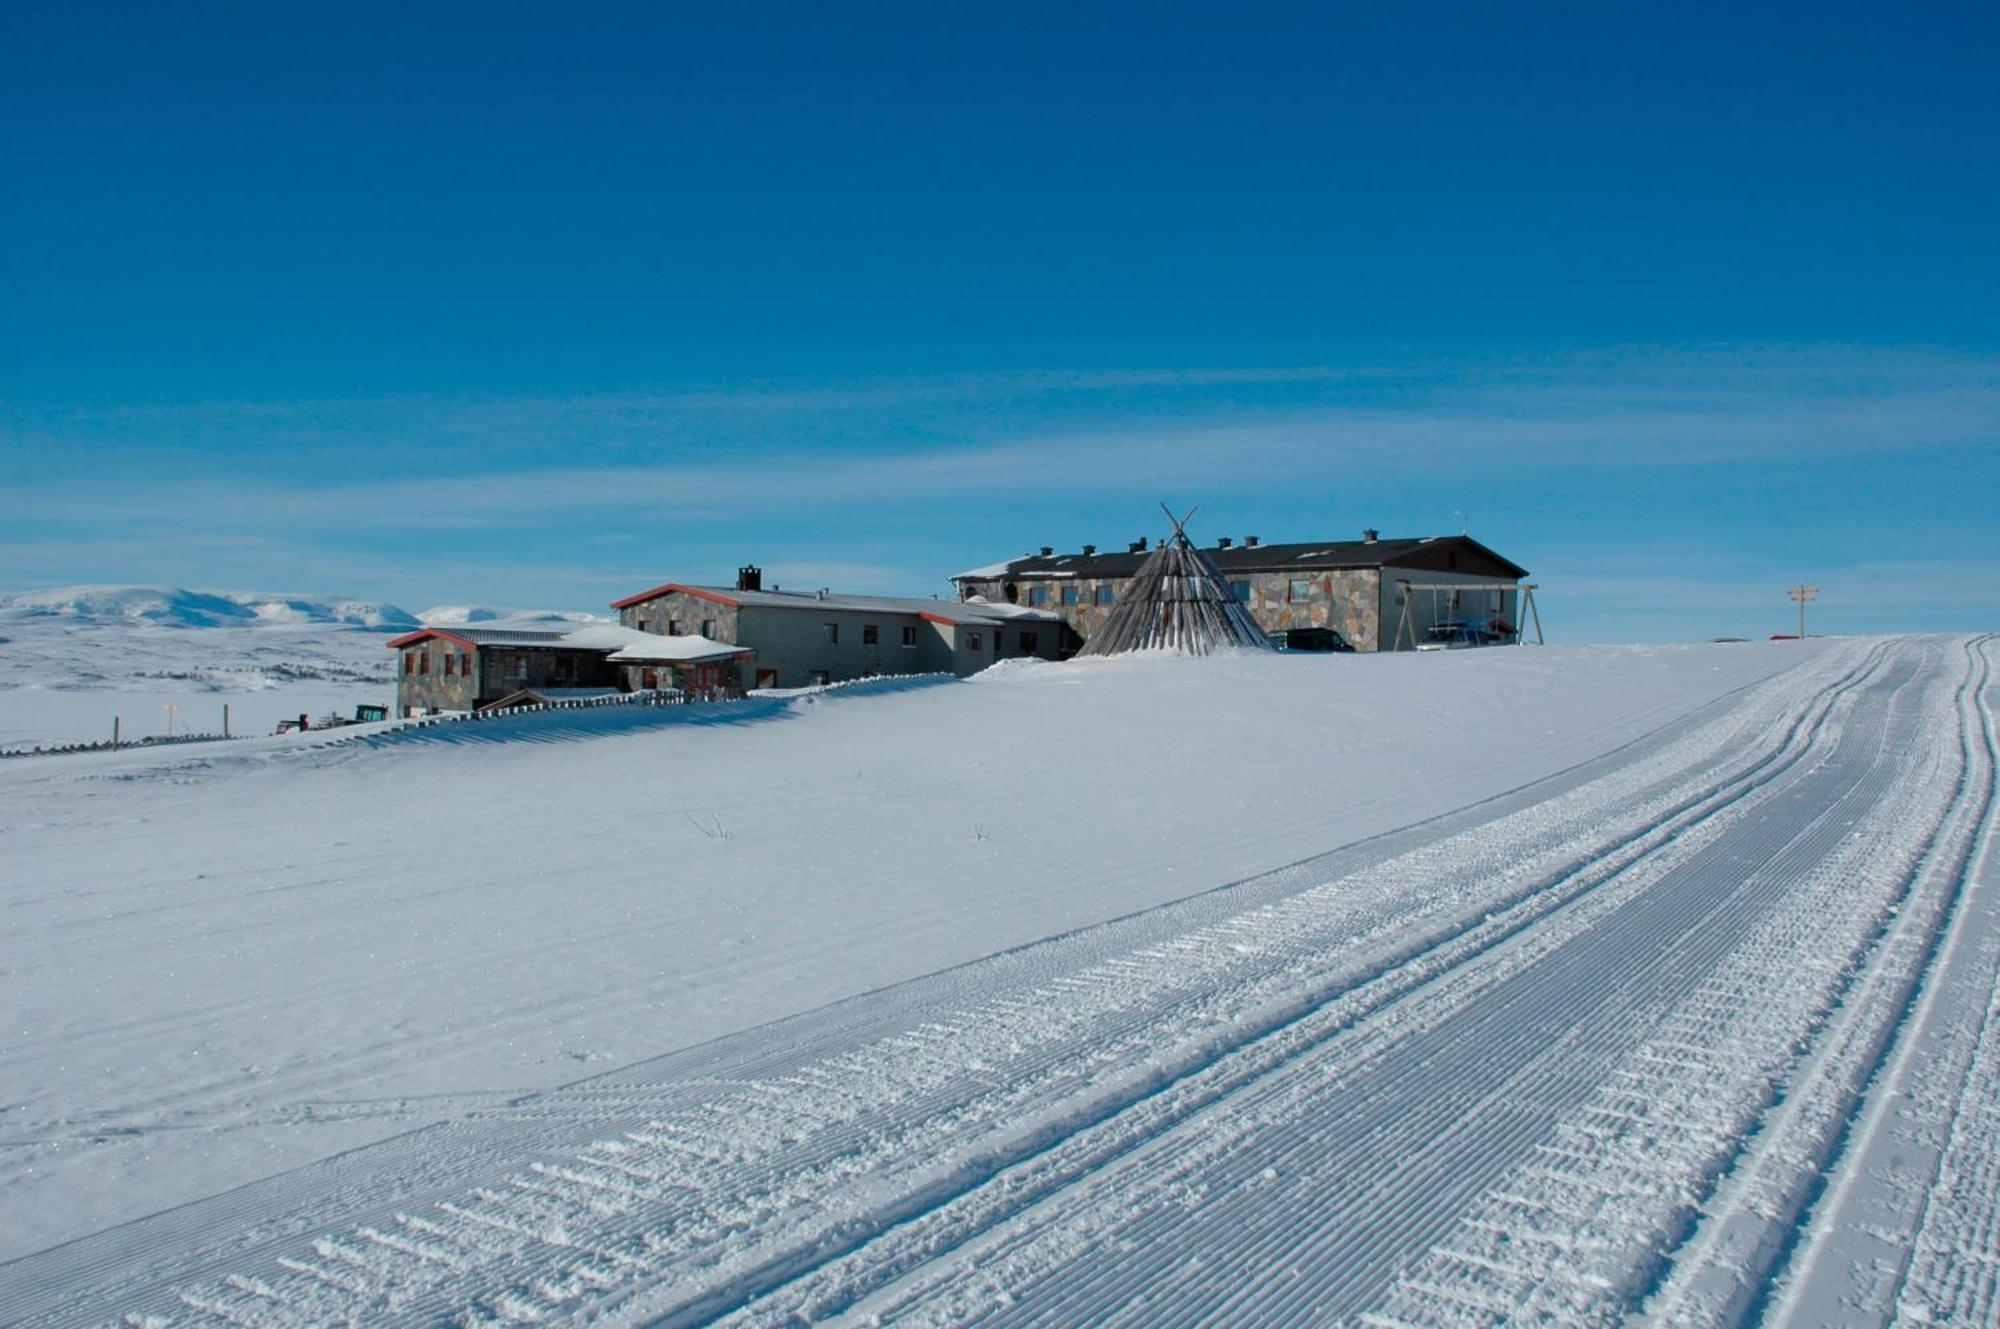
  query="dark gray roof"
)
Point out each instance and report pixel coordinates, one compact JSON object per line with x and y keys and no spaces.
{"x":1428,"y":553}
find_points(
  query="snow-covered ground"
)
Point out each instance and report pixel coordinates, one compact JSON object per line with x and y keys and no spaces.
{"x":74,"y":658}
{"x":1537,"y":984}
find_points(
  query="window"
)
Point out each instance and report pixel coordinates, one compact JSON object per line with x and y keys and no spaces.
{"x":450,"y":664}
{"x":831,"y":631}
{"x":1038,"y":595}
{"x":424,"y":663}
{"x":673,"y":627}
{"x":1069,"y":594}
{"x":910,"y":636}
{"x":1028,"y":643}
{"x":1106,"y":593}
{"x":870,"y":635}
{"x":465,"y":663}
{"x":708,"y":628}
{"x":409,"y":662}
{"x":1300,"y":589}
{"x":820,"y":678}
{"x":1241,"y":590}
{"x":996,"y":641}
{"x":973,"y":641}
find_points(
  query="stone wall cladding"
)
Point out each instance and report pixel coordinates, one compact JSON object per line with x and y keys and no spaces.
{"x":689,"y":612}
{"x":436,"y":690}
{"x":1346,"y":600}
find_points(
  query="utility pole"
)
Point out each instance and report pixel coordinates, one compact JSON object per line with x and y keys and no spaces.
{"x":170,"y":708}
{"x":1803,"y":595}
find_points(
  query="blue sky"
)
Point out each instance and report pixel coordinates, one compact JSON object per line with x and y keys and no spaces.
{"x":1675,"y":304}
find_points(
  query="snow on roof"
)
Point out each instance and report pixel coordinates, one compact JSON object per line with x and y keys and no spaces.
{"x":620,"y":644}
{"x":989,"y":571}
{"x":979,"y":606}
{"x":651,"y":648}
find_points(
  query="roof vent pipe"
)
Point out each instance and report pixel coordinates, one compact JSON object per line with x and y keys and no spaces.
{"x":1223,"y":543}
{"x":1249,"y":542}
{"x":1370,"y":536}
{"x":1048,"y":550}
{"x":1088,"y":550}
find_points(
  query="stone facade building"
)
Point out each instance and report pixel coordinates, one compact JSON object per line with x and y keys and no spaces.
{"x":803,"y":638}
{"x":1354,"y":588}
{"x":454,"y":669}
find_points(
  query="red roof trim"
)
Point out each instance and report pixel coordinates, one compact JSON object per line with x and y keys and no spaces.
{"x":670,"y":587}
{"x":938,"y":618}
{"x":412,"y":638}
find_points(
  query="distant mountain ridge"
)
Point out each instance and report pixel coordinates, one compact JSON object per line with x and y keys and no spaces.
{"x":177,"y":607}
{"x":465,"y":616}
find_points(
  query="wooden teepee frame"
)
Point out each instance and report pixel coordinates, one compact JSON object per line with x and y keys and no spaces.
{"x":1178,"y":600}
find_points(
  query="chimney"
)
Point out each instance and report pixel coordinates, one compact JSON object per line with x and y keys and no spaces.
{"x":749,"y":577}
{"x":1223,"y":543}
{"x":1048,"y":550}
{"x":1249,"y":542}
{"x":1370,"y":536}
{"x":1136,"y":547}
{"x":1088,"y":550}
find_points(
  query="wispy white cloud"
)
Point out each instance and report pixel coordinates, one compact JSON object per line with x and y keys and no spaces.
{"x":1546,"y":428}
{"x":679,"y":463}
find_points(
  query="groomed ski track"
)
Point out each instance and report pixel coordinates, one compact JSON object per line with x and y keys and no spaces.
{"x":1577,"y":1056}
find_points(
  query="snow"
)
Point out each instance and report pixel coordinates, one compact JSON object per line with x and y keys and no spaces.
{"x":986,"y":573}
{"x":172,"y":607}
{"x":999,"y":609}
{"x":72,"y":659}
{"x":446,"y":616}
{"x":1071,"y":992}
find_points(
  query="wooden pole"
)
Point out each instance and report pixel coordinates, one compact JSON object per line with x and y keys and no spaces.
{"x":114,"y":731}
{"x":225,"y":719}
{"x":1803,"y":595}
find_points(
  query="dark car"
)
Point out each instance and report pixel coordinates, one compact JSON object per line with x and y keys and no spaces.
{"x":1310,"y":639}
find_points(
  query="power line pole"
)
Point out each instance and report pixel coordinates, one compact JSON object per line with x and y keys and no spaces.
{"x":1803,"y":596}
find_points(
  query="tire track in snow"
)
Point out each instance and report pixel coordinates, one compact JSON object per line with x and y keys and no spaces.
{"x":770,"y":1179}
{"x":1079,"y":1260}
{"x":1579,"y":1239}
{"x":1906,"y":1230}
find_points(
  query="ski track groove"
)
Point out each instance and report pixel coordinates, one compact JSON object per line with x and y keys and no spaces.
{"x":1888,"y":1239}
{"x":1303,"y":1229}
{"x":1516,"y":996}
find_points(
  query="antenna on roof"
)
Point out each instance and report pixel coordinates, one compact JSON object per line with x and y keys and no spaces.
{"x":1463,"y":525}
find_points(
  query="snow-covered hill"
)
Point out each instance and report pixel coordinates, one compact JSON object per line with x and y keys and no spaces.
{"x":160,"y":606}
{"x":465,"y":615}
{"x":1254,"y":990}
{"x":75,"y":657}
